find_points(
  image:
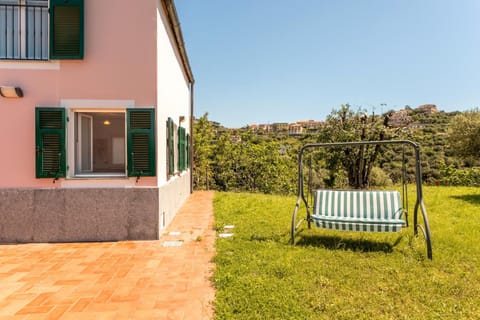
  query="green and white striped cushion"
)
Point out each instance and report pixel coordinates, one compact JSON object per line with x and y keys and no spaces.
{"x":372,"y":211}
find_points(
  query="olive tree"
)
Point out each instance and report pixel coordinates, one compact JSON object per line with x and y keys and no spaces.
{"x":347,"y":125}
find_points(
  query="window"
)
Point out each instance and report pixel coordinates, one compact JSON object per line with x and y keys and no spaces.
{"x":182,"y":149}
{"x":100,"y":143}
{"x":170,"y":146}
{"x":177,"y":148}
{"x":24,"y":29}
{"x":29,"y":32}
{"x":104,"y":144}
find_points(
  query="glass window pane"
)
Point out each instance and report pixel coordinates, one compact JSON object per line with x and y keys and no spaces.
{"x":37,"y":30}
{"x":100,"y":144}
{"x":85,"y":143}
{"x":9,"y":29}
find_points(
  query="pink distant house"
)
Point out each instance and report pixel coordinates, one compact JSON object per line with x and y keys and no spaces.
{"x":96,"y":103}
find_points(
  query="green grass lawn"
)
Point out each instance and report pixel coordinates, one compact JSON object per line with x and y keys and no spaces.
{"x":342,"y":275}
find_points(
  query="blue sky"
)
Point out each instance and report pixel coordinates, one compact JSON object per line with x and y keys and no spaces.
{"x":265,"y":61}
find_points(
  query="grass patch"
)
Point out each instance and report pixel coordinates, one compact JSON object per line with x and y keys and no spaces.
{"x":343,"y":275}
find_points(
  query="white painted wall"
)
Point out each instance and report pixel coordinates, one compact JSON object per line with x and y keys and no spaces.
{"x":173,"y":91}
{"x":171,"y":197}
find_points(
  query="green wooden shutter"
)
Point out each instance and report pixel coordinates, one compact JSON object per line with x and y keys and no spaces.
{"x":50,"y":142}
{"x":182,"y":149}
{"x":171,"y":146}
{"x":141,"y":142}
{"x":66,"y":29}
{"x":188,"y":152}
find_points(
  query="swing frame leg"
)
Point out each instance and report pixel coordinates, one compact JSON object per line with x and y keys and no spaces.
{"x":295,"y":225}
{"x":425,"y":228}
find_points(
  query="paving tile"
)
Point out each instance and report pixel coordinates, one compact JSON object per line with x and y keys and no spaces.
{"x":103,"y":296}
{"x":115,"y":280}
{"x":9,"y":308}
{"x":80,"y":305}
{"x":35,"y":309}
{"x":57,"y":312}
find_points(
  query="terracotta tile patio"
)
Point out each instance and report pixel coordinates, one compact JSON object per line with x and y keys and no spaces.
{"x":165,"y":279}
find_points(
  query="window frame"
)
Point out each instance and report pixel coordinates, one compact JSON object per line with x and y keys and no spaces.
{"x":79,"y":156}
{"x":46,"y":33}
{"x":74,"y":153}
{"x":71,"y":145}
{"x":20,"y":32}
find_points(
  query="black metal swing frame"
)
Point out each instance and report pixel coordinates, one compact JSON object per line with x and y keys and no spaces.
{"x":419,"y":204}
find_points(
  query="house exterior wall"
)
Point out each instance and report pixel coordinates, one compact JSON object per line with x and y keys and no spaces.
{"x":173,"y":100}
{"x":171,"y":197}
{"x":131,"y":60}
{"x":119,"y":64}
{"x":173,"y":90}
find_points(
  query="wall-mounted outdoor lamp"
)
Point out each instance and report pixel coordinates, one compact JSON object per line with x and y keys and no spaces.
{"x":11,"y":92}
{"x":181,"y":119}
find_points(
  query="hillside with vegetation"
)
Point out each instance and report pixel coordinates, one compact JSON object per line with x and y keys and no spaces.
{"x":266,"y":161}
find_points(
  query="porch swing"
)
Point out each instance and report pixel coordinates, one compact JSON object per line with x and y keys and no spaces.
{"x":361,"y":210}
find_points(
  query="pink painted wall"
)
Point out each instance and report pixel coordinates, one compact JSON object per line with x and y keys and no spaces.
{"x":119,"y":64}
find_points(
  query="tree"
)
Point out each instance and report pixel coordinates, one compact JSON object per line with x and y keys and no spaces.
{"x":346,"y":125}
{"x":464,"y":134}
{"x":224,"y":166}
{"x":203,"y":146}
{"x":242,"y":162}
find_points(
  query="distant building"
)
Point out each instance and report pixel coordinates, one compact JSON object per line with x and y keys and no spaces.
{"x":310,"y":124}
{"x":427,"y":108}
{"x":260,"y":127}
{"x":280,"y":126}
{"x":398,"y":119}
{"x":295,"y":129}
{"x":265,"y":127}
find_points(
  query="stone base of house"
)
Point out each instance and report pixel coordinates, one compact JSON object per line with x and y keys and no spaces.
{"x":89,"y":214}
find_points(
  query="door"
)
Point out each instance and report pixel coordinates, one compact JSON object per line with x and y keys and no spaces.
{"x":85,"y":143}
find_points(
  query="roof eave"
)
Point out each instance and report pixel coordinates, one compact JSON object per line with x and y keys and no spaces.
{"x":175,"y":26}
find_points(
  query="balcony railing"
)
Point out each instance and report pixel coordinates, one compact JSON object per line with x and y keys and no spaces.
{"x":24,"y":31}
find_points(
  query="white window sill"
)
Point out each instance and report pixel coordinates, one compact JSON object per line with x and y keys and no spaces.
{"x":30,"y":65}
{"x":108,"y":175}
{"x":99,"y":182}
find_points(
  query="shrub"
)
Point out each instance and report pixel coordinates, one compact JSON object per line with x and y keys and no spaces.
{"x":460,"y":177}
{"x":379,"y":178}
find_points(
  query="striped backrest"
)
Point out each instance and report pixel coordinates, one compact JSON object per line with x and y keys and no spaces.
{"x":361,"y":204}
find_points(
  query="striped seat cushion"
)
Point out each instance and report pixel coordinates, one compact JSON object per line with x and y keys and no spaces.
{"x":372,"y":211}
